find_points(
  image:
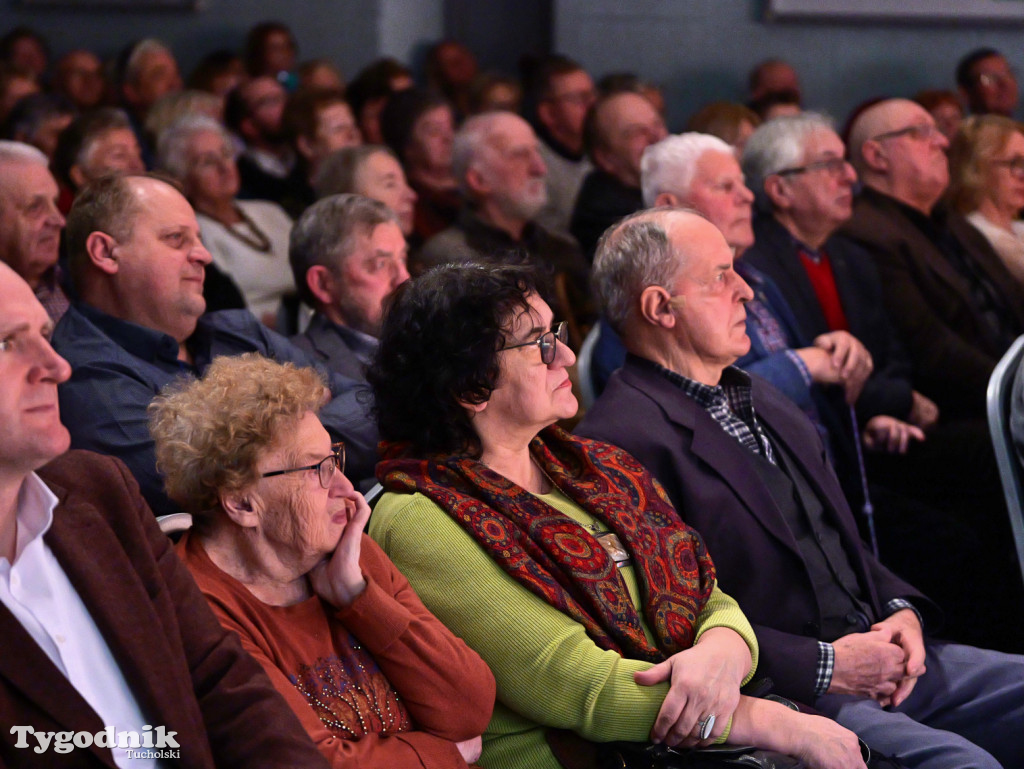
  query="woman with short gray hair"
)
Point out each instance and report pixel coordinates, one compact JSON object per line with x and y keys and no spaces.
{"x":247,"y":238}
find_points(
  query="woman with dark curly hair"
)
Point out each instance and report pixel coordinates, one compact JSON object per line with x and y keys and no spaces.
{"x":558,"y":559}
{"x":278,"y":549}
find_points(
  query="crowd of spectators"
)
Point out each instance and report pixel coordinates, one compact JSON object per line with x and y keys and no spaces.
{"x":211,"y":282}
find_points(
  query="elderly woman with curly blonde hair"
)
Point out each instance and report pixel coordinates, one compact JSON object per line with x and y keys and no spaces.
{"x":986,"y":170}
{"x":278,"y":549}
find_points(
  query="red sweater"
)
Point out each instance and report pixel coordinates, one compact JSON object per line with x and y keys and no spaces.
{"x":378,"y":684}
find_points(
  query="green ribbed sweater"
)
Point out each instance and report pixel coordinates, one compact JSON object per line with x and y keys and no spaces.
{"x":549,"y":672}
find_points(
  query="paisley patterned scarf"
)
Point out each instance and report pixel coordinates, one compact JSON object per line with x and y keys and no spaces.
{"x":560,"y":561}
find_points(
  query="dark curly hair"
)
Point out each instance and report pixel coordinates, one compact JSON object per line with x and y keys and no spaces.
{"x":439,"y":346}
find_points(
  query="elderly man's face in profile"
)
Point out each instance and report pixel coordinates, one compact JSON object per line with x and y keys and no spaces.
{"x":707,"y":295}
{"x":718,"y":191}
{"x":30,"y":223}
{"x":29,"y":374}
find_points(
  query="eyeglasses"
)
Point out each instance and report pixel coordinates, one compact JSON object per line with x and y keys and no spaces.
{"x":325,"y":468}
{"x":1014,"y":164}
{"x":546,"y":342}
{"x":990,"y":79}
{"x":920,"y":132}
{"x":833,"y":166}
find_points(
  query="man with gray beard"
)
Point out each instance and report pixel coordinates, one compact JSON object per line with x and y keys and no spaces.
{"x":501,"y":175}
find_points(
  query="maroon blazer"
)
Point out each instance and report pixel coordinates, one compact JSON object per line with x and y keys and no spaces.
{"x":710,"y":479}
{"x":187,"y":673}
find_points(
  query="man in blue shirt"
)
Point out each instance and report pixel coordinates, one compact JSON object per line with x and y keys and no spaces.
{"x":138,"y":266}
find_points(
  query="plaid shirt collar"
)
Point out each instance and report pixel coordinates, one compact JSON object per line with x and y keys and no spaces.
{"x":730,"y":403}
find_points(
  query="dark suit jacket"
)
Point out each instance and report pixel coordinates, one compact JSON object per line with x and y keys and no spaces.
{"x":888,"y":389}
{"x":930,"y":303}
{"x":338,"y":348}
{"x":710,"y":479}
{"x":186,"y":671}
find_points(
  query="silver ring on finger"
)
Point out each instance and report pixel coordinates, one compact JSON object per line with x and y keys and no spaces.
{"x":705,"y":726}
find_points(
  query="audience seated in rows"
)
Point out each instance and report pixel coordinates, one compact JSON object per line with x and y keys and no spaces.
{"x":741,"y":463}
{"x":932,"y":478}
{"x":598,"y":617}
{"x":137,"y":263}
{"x":38,"y":119}
{"x":277,"y":547}
{"x":147,"y":71}
{"x":254,"y":111}
{"x":348,"y":255}
{"x":247,"y":239}
{"x":103,"y":626}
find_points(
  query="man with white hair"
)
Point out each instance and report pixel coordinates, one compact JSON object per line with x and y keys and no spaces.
{"x":30,"y":223}
{"x":701,"y":172}
{"x":496,"y":160}
{"x":955,"y":305}
{"x":347,"y":254}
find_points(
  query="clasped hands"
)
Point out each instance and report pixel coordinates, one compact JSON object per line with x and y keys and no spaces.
{"x":704,"y":680}
{"x":883,"y":663}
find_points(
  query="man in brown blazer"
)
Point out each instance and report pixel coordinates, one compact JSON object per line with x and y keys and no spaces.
{"x":104,"y":633}
{"x":954,"y":303}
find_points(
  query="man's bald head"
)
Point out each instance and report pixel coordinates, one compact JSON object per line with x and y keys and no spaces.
{"x":897,"y":150}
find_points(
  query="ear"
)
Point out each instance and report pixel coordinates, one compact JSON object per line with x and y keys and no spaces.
{"x":305,"y":147}
{"x":777,"y":190}
{"x":100,"y":248}
{"x":544,"y":112}
{"x":473,"y":408}
{"x":655,"y":308}
{"x":475,"y":181}
{"x":666,"y":199}
{"x":321,"y":283}
{"x":240,"y":508}
{"x":874,"y":156}
{"x":76,"y":176}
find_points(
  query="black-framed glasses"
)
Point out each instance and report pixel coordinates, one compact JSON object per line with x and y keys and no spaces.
{"x":1014,"y":164}
{"x":921,"y":132}
{"x":546,"y":342}
{"x":325,"y":468}
{"x":833,"y":166}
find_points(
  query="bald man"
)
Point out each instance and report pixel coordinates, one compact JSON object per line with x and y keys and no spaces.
{"x":955,"y":305}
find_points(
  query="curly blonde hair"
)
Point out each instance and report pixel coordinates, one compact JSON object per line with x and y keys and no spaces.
{"x":211,"y":432}
{"x":972,"y":150}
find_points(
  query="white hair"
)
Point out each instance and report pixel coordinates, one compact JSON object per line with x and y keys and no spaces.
{"x":669,"y":165}
{"x":19,"y":152}
{"x":172,"y":144}
{"x":780,"y":144}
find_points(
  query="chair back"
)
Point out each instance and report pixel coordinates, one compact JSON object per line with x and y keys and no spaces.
{"x":999,"y":403}
{"x":583,"y":365}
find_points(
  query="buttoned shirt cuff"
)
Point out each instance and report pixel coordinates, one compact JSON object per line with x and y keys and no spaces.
{"x":899,"y":604}
{"x":797,"y":361}
{"x":826,"y":664}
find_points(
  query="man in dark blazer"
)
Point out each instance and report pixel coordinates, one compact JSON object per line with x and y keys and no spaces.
{"x":347,"y":254}
{"x":955,"y":305}
{"x":830,"y":283}
{"x":745,"y":467}
{"x":103,"y":628}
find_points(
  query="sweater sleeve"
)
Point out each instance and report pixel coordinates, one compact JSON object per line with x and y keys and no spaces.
{"x":447,"y":688}
{"x":547,"y":668}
